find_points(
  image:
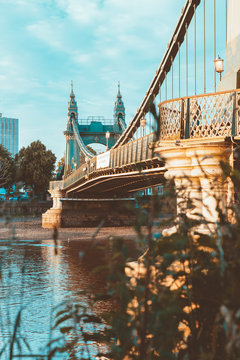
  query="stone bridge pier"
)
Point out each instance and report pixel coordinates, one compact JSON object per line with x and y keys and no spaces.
{"x":195,"y":168}
{"x":82,"y":212}
{"x":53,"y":217}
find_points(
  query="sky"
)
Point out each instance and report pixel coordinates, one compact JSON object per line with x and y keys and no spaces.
{"x":44,"y":44}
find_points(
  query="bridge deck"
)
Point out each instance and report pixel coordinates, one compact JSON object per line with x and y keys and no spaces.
{"x":134,"y":165}
{"x":128,"y":164}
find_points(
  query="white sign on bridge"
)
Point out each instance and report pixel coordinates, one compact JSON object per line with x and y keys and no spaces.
{"x":103,"y":160}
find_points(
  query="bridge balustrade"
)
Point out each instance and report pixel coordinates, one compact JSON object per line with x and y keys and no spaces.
{"x":100,"y":119}
{"x":200,"y":116}
{"x":56,"y":185}
{"x":209,"y":115}
{"x":135,"y":151}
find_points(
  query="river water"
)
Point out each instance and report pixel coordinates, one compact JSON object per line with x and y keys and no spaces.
{"x":38,"y":275}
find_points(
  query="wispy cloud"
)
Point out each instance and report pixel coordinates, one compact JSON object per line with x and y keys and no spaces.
{"x":85,"y":12}
{"x":48,"y":32}
{"x":81,"y":57}
{"x":46,"y":43}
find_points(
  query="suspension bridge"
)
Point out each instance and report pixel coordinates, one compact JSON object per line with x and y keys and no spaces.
{"x":186,"y":115}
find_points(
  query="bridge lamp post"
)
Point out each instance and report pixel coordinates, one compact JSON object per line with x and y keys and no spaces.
{"x":87,"y":161}
{"x":143,"y":124}
{"x":107,"y":137}
{"x":74,"y":164}
{"x":219,"y":66}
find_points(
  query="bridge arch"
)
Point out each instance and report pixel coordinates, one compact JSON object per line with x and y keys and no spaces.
{"x":95,"y":129}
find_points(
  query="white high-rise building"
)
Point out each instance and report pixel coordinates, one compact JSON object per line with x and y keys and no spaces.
{"x":9,"y":134}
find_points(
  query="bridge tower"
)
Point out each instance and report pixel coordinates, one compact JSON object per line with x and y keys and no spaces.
{"x":119,"y":110}
{"x":71,"y":146}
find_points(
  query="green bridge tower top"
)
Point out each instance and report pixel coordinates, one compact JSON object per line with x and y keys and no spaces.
{"x":92,"y":130}
{"x":72,"y":106}
{"x":119,"y":109}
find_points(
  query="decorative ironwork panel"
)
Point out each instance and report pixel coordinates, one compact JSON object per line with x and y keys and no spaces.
{"x":113,"y":152}
{"x":134,"y":151}
{"x":139,"y":149}
{"x":151,"y":140}
{"x":170,"y":120}
{"x":130,"y":149}
{"x":126,"y":149}
{"x":119,"y":156}
{"x":211,"y":115}
{"x":116,"y":157}
{"x":111,"y":158}
{"x":76,"y":175}
{"x":144,"y":148}
{"x":148,"y":150}
{"x":122,"y":154}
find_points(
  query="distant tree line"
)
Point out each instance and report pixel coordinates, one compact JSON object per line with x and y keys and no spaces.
{"x":32,"y":169}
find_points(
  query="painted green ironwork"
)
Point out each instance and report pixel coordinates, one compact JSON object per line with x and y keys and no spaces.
{"x":80,"y":133}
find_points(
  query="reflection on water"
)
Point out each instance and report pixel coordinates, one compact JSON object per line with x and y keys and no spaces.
{"x":34,"y":277}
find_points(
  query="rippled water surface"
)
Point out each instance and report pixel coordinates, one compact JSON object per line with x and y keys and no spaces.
{"x":35,"y":279}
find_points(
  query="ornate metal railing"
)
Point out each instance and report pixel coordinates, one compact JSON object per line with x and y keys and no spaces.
{"x":101,"y":119}
{"x":209,"y":115}
{"x":203,"y":116}
{"x":132,"y":153}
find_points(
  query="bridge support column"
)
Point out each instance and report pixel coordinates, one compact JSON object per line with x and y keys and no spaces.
{"x":89,"y":213}
{"x":187,"y":192}
{"x":194,"y":167}
{"x":67,"y":212}
{"x":52,"y":217}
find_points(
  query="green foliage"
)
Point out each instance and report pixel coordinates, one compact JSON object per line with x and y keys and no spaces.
{"x":182,"y":301}
{"x":76,"y":326}
{"x":7,"y":168}
{"x":35,"y":167}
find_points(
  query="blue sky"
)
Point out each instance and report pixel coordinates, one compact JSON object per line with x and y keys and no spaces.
{"x":45,"y":44}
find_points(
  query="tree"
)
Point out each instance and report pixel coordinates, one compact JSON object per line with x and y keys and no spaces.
{"x":35,"y":167}
{"x":7,"y":168}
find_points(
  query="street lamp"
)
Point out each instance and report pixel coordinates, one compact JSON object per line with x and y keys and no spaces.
{"x":143,"y":124}
{"x":219,"y":66}
{"x":87,"y":161}
{"x":107,"y":137}
{"x":74,"y":164}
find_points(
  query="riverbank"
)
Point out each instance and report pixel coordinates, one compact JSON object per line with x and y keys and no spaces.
{"x":30,"y":228}
{"x":24,"y":208}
